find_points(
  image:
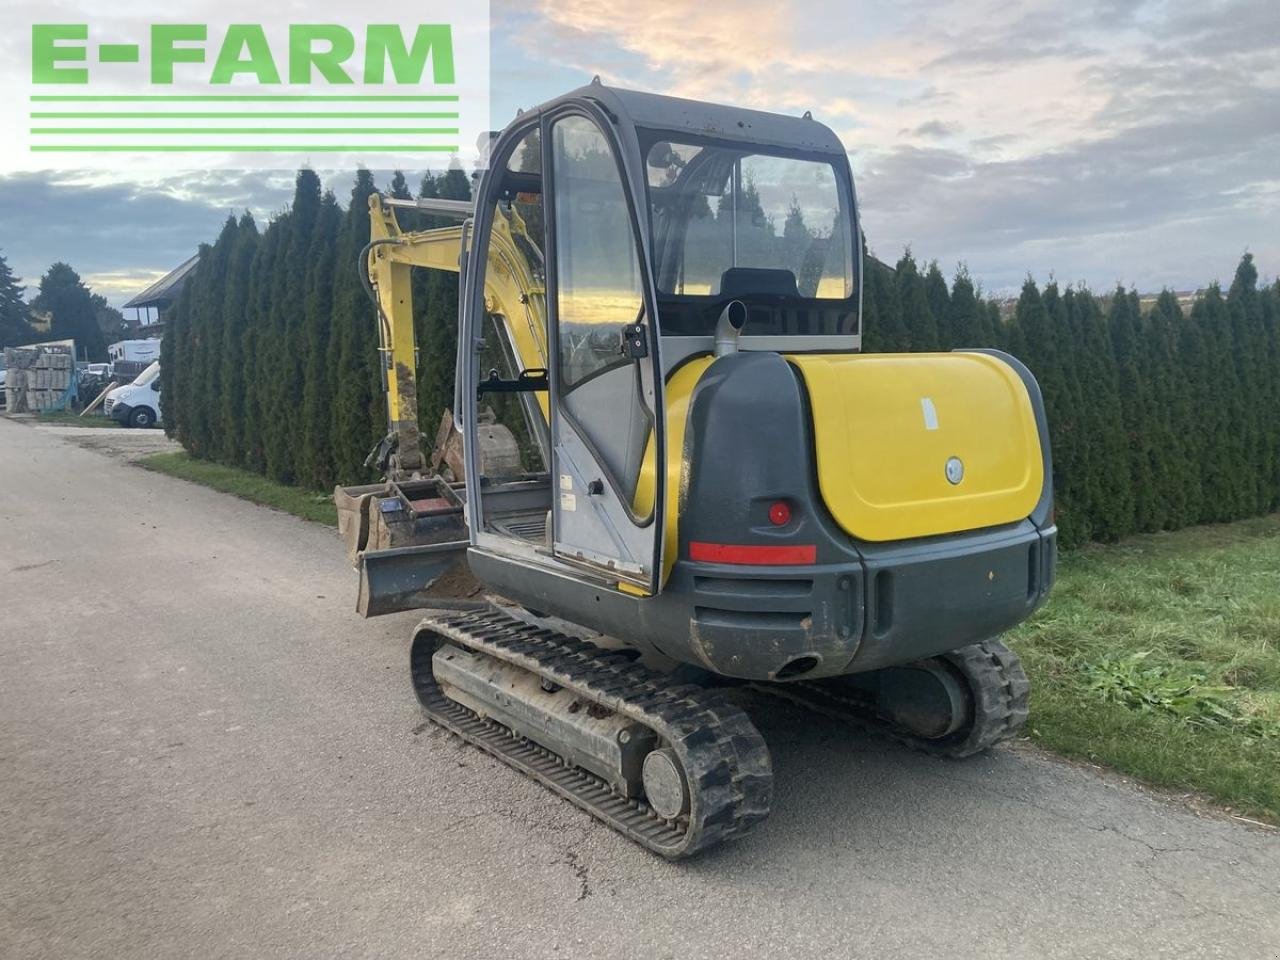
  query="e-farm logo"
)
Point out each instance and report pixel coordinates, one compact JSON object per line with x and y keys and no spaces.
{"x":315,"y":49}
{"x":220,"y":85}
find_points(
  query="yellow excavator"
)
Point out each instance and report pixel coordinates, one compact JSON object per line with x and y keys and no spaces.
{"x":669,"y":469}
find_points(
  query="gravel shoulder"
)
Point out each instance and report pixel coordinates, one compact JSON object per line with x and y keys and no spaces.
{"x":120,"y":443}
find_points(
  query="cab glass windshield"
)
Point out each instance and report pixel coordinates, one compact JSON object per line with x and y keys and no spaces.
{"x":730,"y":222}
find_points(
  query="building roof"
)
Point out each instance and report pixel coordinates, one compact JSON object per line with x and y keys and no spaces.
{"x":165,"y":290}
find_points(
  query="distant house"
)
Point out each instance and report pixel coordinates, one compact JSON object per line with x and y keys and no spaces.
{"x":157,"y":297}
{"x":1186,"y":299}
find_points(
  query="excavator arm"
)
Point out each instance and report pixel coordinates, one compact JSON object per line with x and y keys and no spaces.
{"x":515,"y":297}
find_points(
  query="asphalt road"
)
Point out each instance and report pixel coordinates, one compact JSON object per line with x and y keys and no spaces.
{"x":204,"y":752}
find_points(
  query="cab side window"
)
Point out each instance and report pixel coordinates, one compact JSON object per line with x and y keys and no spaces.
{"x":599,"y":288}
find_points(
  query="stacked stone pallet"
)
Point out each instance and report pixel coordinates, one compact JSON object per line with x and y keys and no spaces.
{"x":37,"y":377}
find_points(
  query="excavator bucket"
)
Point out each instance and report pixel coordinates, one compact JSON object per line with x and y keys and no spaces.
{"x":353,"y":504}
{"x":409,"y":542}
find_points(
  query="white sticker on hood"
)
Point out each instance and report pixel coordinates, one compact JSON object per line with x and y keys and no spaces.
{"x":930,"y":413}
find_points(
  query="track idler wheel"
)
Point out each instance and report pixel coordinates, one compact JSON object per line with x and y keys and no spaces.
{"x":956,"y":704}
{"x":953,"y":705}
{"x":930,"y":700}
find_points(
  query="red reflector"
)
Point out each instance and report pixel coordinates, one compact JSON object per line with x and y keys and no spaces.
{"x":750,"y":554}
{"x":780,"y":513}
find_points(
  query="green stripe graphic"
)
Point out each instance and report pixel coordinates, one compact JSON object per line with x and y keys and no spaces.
{"x":242,"y":98}
{"x":126,"y":52}
{"x":221,"y":115}
{"x":244,"y":148}
{"x":346,"y":131}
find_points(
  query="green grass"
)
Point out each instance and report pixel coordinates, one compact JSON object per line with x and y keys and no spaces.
{"x":1161,"y":657}
{"x":307,"y":504}
{"x":67,"y":418}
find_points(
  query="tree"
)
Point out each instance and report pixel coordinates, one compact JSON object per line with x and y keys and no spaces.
{"x":235,"y":336}
{"x":358,"y":412}
{"x":1109,"y":490}
{"x":1073,"y":447}
{"x":314,"y":466}
{"x":888,"y":334}
{"x":935,"y":288}
{"x":921,"y":327}
{"x":284,"y":360}
{"x":1256,"y":381}
{"x":14,"y":328}
{"x":968,"y":322}
{"x":110,"y":320}
{"x":1070,"y":444}
{"x":1169,"y":418}
{"x":200,"y":395}
{"x":1038,"y":322}
{"x":1271,"y":323}
{"x":1223,"y":457}
{"x":997,"y":326}
{"x":68,"y":301}
{"x":870,"y":313}
{"x":176,"y":369}
{"x":1137,"y":412}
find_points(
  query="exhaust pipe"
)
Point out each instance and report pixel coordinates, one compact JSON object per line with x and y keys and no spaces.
{"x":732,"y":319}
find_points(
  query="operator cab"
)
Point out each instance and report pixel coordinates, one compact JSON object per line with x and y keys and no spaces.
{"x":612,"y":229}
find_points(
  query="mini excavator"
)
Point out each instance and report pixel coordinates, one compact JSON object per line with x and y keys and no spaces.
{"x":699,"y":479}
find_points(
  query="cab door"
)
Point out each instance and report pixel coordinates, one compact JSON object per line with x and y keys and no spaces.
{"x":606,"y":427}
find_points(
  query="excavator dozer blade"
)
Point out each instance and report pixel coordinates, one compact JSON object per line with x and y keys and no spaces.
{"x":413,"y":578}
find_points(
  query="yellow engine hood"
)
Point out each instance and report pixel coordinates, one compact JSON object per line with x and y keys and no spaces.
{"x":886,"y":426}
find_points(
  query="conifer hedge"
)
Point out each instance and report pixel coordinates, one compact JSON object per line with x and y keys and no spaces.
{"x":1160,"y":418}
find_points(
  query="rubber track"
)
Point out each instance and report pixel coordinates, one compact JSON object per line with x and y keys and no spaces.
{"x":724,"y":757}
{"x":998,"y":689}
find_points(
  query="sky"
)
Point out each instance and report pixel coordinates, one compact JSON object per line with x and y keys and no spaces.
{"x":1093,"y":141}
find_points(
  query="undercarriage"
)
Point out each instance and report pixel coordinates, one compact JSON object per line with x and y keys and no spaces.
{"x":677,"y":767}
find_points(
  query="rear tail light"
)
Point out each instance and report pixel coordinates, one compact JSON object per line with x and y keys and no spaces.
{"x":753,"y":554}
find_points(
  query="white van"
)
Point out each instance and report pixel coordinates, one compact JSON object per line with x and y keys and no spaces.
{"x":136,"y":404}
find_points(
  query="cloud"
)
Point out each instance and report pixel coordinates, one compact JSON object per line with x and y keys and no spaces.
{"x":121,"y":236}
{"x":119,"y":285}
{"x":996,"y":56}
{"x":98,"y":228}
{"x":1098,"y":139}
{"x":932,"y":129}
